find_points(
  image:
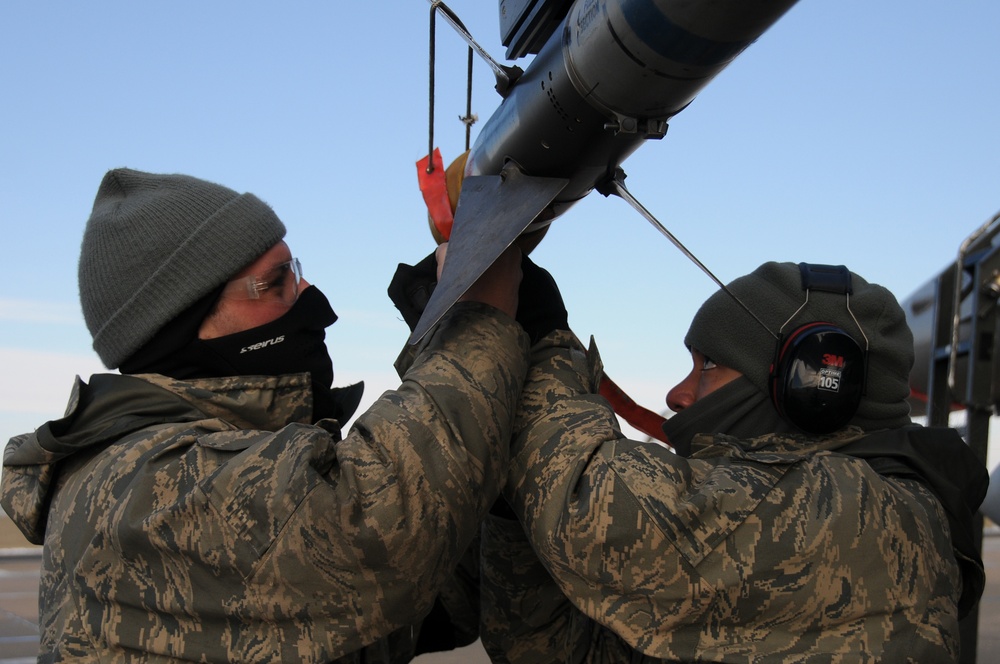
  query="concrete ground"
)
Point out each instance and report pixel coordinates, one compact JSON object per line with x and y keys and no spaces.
{"x":20,"y":566}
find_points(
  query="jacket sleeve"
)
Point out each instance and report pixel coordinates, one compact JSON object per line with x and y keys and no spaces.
{"x":379,"y":520}
{"x":562,"y":489}
{"x":620,"y":525}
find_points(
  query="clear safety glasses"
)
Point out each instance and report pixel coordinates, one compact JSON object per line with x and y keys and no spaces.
{"x":279,"y":284}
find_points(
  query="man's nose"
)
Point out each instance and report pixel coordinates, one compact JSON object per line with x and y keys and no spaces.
{"x":681,"y":395}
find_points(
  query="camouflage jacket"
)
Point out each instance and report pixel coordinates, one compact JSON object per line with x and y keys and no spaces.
{"x":210,"y":521}
{"x":765,"y":551}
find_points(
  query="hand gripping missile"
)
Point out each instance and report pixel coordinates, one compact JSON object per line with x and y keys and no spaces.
{"x":608,"y":79}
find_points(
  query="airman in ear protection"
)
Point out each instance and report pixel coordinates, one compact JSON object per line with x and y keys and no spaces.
{"x":829,"y":348}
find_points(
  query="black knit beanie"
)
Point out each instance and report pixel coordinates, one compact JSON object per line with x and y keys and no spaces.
{"x":730,"y":336}
{"x":157,"y":244}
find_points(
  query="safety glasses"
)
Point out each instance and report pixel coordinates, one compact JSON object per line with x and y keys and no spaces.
{"x":279,"y":284}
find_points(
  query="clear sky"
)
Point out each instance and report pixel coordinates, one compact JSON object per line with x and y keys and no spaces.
{"x":855,"y":132}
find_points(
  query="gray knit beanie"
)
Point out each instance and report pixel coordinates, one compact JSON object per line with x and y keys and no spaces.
{"x":726,"y":333}
{"x":156,"y":244}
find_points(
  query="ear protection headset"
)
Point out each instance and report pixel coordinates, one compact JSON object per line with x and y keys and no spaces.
{"x":819,"y":371}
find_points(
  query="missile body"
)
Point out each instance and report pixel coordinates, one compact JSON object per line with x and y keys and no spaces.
{"x":608,"y":78}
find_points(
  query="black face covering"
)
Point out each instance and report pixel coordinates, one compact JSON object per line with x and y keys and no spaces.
{"x":294,"y":343}
{"x":737,"y":409}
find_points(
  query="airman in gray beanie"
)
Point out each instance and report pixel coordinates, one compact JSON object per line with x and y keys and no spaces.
{"x":156,"y":244}
{"x":725,"y":332}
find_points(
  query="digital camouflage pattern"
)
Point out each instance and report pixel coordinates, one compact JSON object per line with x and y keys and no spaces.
{"x":209,"y":521}
{"x":766,"y":551}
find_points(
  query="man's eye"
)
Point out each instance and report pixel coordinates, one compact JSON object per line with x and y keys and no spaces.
{"x":707,"y":364}
{"x":277,"y":277}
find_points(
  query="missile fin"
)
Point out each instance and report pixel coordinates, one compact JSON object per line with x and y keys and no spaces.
{"x":492,"y":211}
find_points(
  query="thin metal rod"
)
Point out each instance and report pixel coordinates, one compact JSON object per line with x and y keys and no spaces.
{"x":430,"y":97}
{"x":623,"y":192}
{"x":468,"y":119}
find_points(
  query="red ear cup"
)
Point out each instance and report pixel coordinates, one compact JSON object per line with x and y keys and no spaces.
{"x":818,"y":377}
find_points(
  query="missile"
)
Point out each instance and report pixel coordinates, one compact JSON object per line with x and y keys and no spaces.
{"x":607,"y":79}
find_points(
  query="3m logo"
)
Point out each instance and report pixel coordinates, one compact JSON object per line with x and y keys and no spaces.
{"x":263,"y":344}
{"x":830,"y":360}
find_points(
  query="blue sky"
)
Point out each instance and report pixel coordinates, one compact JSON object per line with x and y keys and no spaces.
{"x":852,"y":132}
